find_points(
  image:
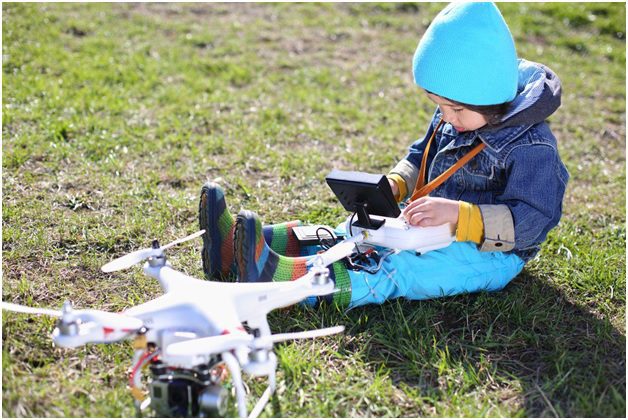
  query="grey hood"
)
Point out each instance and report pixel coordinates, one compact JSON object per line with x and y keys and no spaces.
{"x":538,"y":96}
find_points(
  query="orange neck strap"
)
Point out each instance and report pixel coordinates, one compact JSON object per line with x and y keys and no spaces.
{"x":421,"y":189}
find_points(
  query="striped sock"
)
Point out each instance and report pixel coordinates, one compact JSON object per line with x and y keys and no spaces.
{"x":282,"y":239}
{"x":257,"y":262}
{"x":214,"y":217}
{"x":219,"y":225}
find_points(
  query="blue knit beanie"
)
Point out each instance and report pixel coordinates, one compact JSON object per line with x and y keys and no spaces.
{"x":467,"y":54}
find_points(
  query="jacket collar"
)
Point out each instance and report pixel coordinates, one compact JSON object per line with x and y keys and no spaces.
{"x":494,"y":139}
{"x":498,"y":139}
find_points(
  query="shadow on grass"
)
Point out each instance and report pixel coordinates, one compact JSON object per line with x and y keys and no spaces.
{"x":526,"y":346}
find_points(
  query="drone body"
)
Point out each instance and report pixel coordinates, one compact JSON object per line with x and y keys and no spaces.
{"x":197,"y":330}
{"x":193,"y":333}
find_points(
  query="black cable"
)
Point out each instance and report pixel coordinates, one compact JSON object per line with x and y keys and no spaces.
{"x":351,"y":223}
{"x":324,"y":242}
{"x":360,"y":255}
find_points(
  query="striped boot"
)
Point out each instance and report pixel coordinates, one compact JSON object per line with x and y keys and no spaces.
{"x":257,"y":262}
{"x":219,"y":225}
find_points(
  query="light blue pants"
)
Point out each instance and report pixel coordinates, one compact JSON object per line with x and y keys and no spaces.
{"x":458,"y":268}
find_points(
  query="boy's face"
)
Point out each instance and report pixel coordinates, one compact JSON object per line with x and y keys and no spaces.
{"x":461,"y":118}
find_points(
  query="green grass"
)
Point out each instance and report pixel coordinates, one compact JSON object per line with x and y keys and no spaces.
{"x":114,"y":115}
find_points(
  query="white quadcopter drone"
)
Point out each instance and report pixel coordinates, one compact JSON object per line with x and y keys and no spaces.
{"x":194,"y":330}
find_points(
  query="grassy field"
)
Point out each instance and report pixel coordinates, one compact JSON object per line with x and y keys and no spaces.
{"x":114,"y":115}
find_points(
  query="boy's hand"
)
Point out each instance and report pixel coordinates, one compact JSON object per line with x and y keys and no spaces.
{"x":432,"y":211}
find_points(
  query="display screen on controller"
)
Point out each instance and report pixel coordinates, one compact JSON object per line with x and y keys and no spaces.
{"x":365,"y":194}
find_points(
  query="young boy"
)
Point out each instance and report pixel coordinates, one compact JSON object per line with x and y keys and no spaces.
{"x":501,"y":203}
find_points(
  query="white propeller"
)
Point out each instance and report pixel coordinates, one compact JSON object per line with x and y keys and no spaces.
{"x":135,"y":257}
{"x":209,"y":345}
{"x":276,"y":338}
{"x":335,"y":253}
{"x":221,"y":343}
{"x":14,"y":307}
{"x":106,"y":319}
{"x":110,"y":319}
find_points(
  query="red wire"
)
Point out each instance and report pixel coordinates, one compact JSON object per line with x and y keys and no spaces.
{"x":137,"y":366}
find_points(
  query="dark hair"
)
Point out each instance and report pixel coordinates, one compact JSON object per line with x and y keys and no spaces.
{"x":492,"y":113}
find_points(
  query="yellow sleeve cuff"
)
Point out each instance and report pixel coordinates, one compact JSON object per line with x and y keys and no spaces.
{"x":401,"y":184}
{"x":470,"y":224}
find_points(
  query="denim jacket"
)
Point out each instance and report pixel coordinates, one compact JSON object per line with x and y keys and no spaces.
{"x":518,"y":180}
